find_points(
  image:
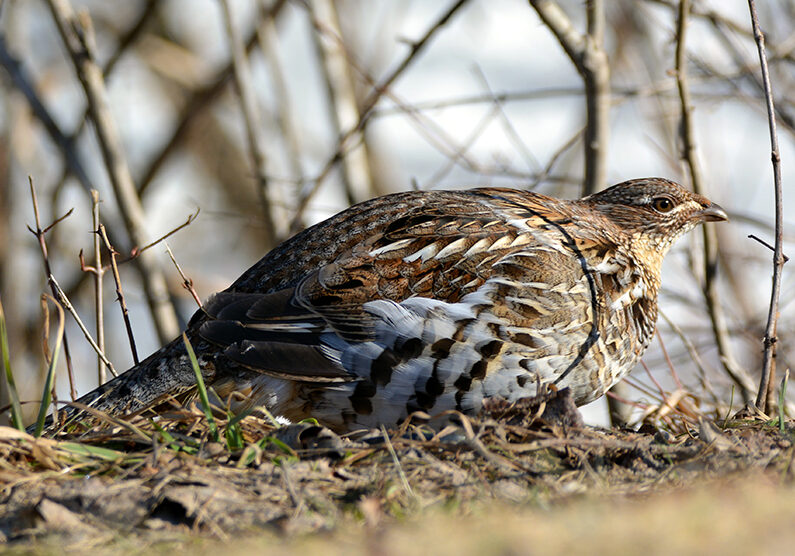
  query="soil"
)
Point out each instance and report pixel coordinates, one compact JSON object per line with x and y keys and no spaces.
{"x":145,"y":485}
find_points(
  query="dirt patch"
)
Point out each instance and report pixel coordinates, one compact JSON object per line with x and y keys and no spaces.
{"x":157,"y":483}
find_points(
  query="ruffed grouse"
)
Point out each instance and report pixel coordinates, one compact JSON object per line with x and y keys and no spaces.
{"x":432,"y":300}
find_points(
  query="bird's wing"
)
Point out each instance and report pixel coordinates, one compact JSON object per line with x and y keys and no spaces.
{"x":443,"y":251}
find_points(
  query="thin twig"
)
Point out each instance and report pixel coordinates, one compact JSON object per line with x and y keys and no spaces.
{"x":547,"y":171}
{"x":187,"y":283}
{"x":510,"y":129}
{"x":78,"y":38}
{"x":768,"y":359}
{"x":251,"y":119}
{"x":284,"y":112}
{"x":476,"y":133}
{"x":694,"y":356}
{"x":690,"y":159}
{"x":39,"y":233}
{"x":24,"y":84}
{"x":136,"y":252}
{"x":122,"y":44}
{"x":766,"y":244}
{"x":668,"y":361}
{"x":119,"y":292}
{"x":403,"y":479}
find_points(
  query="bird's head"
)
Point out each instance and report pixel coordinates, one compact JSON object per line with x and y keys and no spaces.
{"x":654,"y":212}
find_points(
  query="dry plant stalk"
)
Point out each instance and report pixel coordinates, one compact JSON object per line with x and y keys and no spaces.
{"x":125,"y":313}
{"x":99,"y":272}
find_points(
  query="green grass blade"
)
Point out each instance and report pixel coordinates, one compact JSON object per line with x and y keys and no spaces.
{"x":234,"y":435}
{"x":94,"y":452}
{"x":782,"y":400}
{"x":16,"y":408}
{"x":45,"y":395}
{"x":203,"y":398}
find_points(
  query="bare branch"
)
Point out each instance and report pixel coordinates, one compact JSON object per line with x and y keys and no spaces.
{"x":768,"y":361}
{"x":199,"y":101}
{"x":586,"y":51}
{"x":284,"y":110}
{"x":138,"y":250}
{"x":766,"y":244}
{"x":187,"y":283}
{"x":344,"y":144}
{"x":99,"y":305}
{"x":64,"y":301}
{"x":64,"y":143}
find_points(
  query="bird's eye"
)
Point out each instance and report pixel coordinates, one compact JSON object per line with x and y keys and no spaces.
{"x":663,"y":204}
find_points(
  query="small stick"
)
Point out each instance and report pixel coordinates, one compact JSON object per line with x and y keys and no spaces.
{"x":119,"y":293}
{"x":766,"y":244}
{"x":669,"y":362}
{"x":39,"y":233}
{"x":197,"y":103}
{"x":187,"y":283}
{"x":586,"y":52}
{"x":355,"y":172}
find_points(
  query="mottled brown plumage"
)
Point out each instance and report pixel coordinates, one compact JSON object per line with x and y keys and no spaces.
{"x":432,"y":301}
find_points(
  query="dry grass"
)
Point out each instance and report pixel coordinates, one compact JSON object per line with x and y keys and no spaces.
{"x":485,"y":487}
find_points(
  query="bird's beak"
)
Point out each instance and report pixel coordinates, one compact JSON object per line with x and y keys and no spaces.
{"x":713,"y":213}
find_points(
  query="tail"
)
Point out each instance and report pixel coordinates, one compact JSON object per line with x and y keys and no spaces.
{"x":165,"y":374}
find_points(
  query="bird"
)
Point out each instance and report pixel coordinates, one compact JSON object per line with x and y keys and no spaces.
{"x":431,"y":301}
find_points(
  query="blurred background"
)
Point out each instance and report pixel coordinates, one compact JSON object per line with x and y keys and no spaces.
{"x":268,"y":116}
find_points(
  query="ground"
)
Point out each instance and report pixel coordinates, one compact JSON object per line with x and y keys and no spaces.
{"x":484,"y":486}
